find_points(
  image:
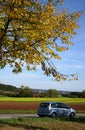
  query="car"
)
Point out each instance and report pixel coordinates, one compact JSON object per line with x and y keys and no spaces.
{"x":55,"y":109}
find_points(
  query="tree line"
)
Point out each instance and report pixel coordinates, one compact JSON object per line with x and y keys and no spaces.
{"x":25,"y":91}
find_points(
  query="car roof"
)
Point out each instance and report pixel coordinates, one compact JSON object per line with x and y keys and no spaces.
{"x":52,"y":102}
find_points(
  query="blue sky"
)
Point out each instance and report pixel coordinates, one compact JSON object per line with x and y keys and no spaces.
{"x":73,"y":61}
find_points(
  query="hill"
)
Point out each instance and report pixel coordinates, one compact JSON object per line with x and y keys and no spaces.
{"x":4,"y":87}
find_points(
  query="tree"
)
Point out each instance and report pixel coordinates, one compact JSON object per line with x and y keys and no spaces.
{"x":25,"y":92}
{"x":75,"y":94}
{"x":52,"y":93}
{"x":29,"y":31}
{"x":83,"y":94}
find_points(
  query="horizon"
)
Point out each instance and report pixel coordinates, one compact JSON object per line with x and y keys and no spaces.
{"x":40,"y":89}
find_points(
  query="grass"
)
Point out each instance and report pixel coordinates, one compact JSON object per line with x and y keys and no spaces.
{"x":60,"y":99}
{"x":27,"y":111}
{"x":43,"y":124}
{"x":18,"y":112}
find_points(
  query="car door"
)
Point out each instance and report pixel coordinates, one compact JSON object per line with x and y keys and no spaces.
{"x":64,"y":110}
{"x":60,"y":109}
{"x":56,"y":107}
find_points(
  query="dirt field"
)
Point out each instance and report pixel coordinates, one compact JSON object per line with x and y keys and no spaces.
{"x":31,"y":106}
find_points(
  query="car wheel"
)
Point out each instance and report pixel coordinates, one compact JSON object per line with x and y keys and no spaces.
{"x":72,"y":115}
{"x":41,"y":115}
{"x":53,"y":115}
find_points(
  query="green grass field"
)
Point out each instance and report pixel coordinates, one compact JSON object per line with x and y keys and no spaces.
{"x":60,"y":99}
{"x":42,"y":124}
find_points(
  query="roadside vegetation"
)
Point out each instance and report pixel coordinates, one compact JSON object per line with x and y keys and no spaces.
{"x":20,"y":111}
{"x":43,"y":124}
{"x":37,"y":100}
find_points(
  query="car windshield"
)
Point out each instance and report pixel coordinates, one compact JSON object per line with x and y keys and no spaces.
{"x":44,"y":104}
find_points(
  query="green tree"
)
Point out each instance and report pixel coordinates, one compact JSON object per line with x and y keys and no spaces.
{"x":52,"y":93}
{"x":43,"y":94}
{"x":83,"y":94}
{"x":29,"y":30}
{"x":25,"y":92}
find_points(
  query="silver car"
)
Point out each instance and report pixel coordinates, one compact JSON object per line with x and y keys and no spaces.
{"x":54,"y":109}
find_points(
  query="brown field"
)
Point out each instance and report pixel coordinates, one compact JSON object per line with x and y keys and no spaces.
{"x":31,"y":106}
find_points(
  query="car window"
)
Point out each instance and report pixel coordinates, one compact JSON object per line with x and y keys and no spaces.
{"x":61,"y":105}
{"x":44,"y":104}
{"x":54,"y":105}
{"x":64,"y":106}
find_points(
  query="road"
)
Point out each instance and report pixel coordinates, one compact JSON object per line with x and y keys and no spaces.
{"x":5,"y":116}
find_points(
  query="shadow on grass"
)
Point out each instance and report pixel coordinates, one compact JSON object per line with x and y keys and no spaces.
{"x":20,"y":126}
{"x":78,"y":119}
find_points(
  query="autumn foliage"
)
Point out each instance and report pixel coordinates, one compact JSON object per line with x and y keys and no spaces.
{"x":29,"y":30}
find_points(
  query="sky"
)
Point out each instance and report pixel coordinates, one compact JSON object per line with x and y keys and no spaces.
{"x":73,"y":61}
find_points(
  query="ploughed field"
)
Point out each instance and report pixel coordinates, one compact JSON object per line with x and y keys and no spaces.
{"x":32,"y":106}
{"x":13,"y":103}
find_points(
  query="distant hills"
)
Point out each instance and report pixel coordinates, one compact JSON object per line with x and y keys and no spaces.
{"x":10,"y":90}
{"x":4,"y":87}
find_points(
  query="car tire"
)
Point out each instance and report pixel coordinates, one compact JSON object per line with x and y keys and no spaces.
{"x":41,"y":115}
{"x":72,"y":115}
{"x":53,"y":115}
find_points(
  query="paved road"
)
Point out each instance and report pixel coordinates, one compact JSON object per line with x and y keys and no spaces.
{"x":5,"y":116}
